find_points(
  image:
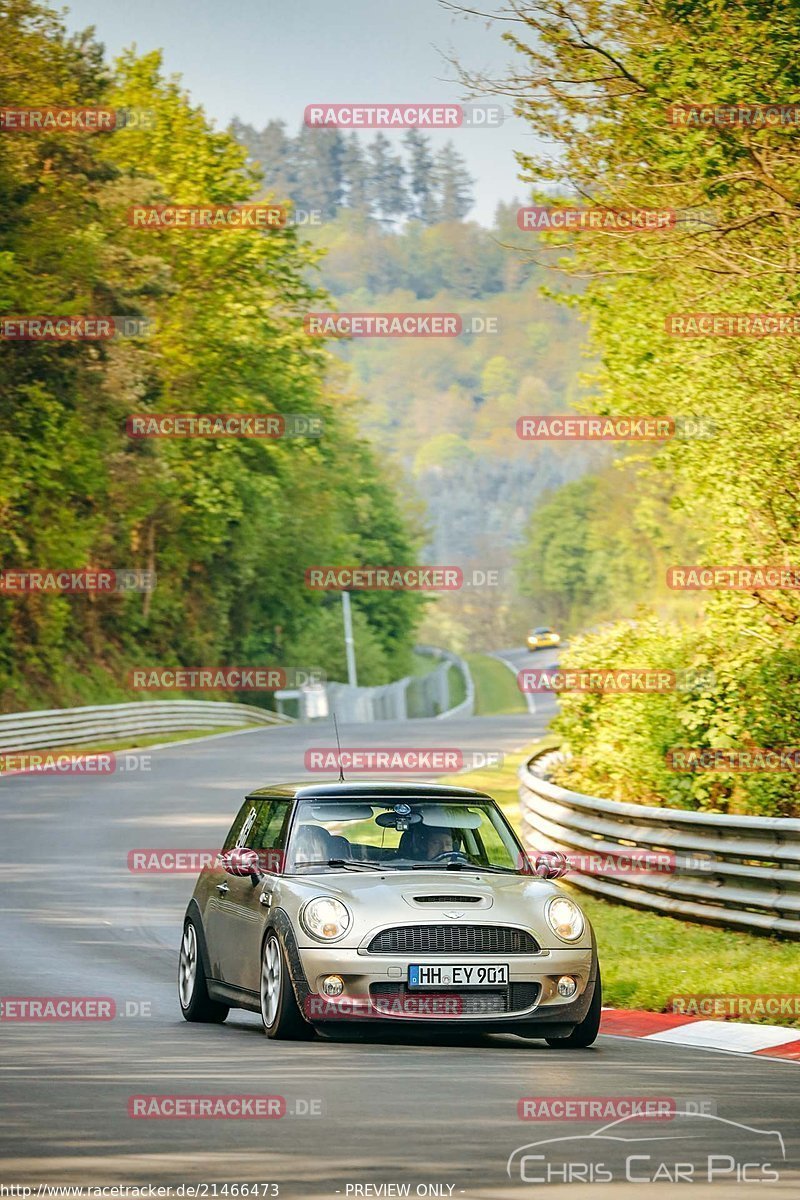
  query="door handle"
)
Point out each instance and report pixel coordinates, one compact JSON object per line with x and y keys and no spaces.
{"x":223,"y":888}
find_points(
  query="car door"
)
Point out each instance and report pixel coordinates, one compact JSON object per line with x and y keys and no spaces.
{"x":244,"y":907}
{"x":215,"y":885}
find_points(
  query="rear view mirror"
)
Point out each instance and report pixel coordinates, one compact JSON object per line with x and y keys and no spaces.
{"x":241,"y":862}
{"x":552,"y":864}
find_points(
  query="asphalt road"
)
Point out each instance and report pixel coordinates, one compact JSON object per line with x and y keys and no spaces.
{"x":425,"y":1111}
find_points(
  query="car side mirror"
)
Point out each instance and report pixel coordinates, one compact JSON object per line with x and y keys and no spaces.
{"x":552,"y":864}
{"x":242,"y":863}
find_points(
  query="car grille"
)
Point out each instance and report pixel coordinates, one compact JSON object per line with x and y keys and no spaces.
{"x":453,"y":939}
{"x":514,"y":997}
{"x":448,"y":899}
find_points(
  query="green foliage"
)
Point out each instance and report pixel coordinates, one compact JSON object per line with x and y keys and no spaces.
{"x":596,"y":82}
{"x":228,"y":526}
{"x":597,"y":547}
{"x":729,"y":696}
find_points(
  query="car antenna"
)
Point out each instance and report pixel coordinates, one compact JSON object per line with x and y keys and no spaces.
{"x":338,"y":748}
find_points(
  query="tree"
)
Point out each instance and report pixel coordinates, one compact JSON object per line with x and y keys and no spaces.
{"x":454,"y":196}
{"x":420,"y":177}
{"x":355,"y":175}
{"x":389,"y":199}
{"x":271,"y":152}
{"x":320,"y":181}
{"x":228,"y":526}
{"x":599,"y":83}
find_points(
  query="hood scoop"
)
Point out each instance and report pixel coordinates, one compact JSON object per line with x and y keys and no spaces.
{"x":447,"y":899}
{"x":431,"y":900}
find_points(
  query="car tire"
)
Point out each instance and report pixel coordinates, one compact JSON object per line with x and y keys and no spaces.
{"x":280,"y":1014}
{"x":195,"y":1002}
{"x":586,"y":1032}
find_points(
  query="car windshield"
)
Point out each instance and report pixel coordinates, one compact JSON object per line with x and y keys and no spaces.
{"x":542,"y":629}
{"x":402,"y":835}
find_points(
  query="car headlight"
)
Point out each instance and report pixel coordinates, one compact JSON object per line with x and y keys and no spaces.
{"x":565,"y":919}
{"x":325,"y":918}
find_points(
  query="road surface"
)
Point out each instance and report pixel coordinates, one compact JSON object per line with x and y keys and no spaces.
{"x":423,"y":1112}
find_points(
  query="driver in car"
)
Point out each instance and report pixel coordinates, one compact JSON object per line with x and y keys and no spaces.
{"x":437,"y":841}
{"x":311,"y":844}
{"x":426,"y":842}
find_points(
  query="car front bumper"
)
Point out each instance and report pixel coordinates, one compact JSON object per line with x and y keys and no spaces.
{"x":375,"y":988}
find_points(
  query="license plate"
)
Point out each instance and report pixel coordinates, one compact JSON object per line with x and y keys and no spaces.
{"x":457,"y":975}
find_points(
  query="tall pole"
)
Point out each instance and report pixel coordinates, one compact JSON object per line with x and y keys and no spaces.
{"x":349,"y":644}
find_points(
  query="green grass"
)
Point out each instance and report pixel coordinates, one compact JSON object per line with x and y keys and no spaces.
{"x":457,"y":686}
{"x":647,"y":958}
{"x":496,"y":691}
{"x":423,"y":664}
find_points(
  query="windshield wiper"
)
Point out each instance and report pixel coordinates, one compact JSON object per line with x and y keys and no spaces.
{"x":450,"y":866}
{"x":460,"y":866}
{"x":360,"y":863}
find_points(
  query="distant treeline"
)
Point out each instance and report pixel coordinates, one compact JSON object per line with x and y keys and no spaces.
{"x":325,"y":171}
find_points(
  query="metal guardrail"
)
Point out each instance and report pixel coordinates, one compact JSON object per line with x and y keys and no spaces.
{"x":740,"y":872}
{"x":414,"y":696}
{"x":467,"y":705}
{"x":114,"y":722}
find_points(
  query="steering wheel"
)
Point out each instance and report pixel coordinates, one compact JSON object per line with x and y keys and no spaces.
{"x":451,"y":856}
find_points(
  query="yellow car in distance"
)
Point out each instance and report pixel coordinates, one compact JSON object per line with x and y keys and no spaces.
{"x":541,"y":637}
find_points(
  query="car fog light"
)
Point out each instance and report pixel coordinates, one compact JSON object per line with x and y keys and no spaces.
{"x":333,"y":985}
{"x":567,"y":986}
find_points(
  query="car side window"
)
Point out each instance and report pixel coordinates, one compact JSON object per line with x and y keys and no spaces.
{"x":241,"y":827}
{"x":268,"y":832}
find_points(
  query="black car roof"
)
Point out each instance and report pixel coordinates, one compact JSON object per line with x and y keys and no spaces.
{"x":380,"y":788}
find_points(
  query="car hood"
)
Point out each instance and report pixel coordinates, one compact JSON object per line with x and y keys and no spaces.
{"x":380,"y":899}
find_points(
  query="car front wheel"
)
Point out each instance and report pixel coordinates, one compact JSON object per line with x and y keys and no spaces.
{"x":586,"y":1032}
{"x":196,"y":1004}
{"x":279,"y":1012}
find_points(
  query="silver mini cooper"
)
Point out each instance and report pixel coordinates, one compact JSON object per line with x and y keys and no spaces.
{"x":387,"y":902}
